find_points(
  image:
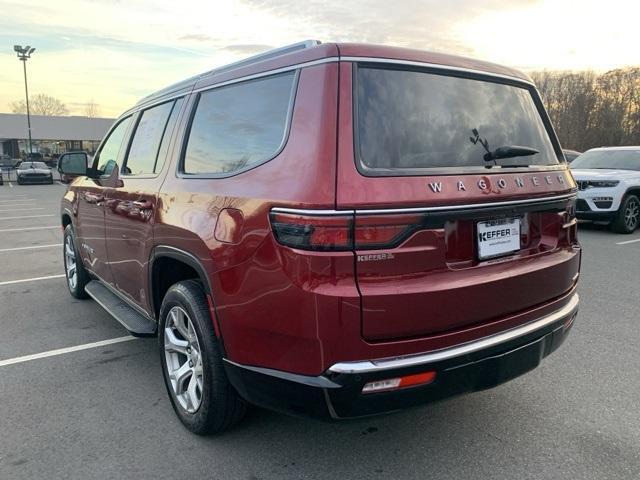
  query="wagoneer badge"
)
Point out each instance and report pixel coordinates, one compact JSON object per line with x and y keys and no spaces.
{"x":486,"y":185}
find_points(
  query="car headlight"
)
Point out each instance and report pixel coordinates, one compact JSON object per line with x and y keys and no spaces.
{"x":603,"y":183}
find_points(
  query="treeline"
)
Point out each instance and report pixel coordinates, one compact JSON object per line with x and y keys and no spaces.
{"x":592,"y":110}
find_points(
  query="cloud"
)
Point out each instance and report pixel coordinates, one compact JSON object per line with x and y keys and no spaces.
{"x":196,"y":37}
{"x":411,"y":23}
{"x":247,"y":49}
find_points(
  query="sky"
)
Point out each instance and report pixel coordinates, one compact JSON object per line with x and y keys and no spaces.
{"x":113,"y":52}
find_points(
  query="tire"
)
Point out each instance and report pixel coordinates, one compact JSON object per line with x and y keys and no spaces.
{"x":628,"y":217}
{"x":70,"y":253}
{"x":218,"y":406}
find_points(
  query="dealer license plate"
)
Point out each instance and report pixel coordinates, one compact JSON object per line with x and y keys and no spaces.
{"x":498,"y":237}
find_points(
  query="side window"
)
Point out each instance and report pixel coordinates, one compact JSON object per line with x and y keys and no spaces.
{"x":143,"y":151}
{"x":108,"y":154}
{"x":166,"y":138}
{"x":239,"y":125}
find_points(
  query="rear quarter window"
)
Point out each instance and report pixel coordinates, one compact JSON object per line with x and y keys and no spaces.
{"x":409,"y":120}
{"x":239,"y":126}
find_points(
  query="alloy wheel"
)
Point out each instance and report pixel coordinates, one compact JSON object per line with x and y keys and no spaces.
{"x":183,"y":359}
{"x":70,"y":263}
{"x":632,"y":214}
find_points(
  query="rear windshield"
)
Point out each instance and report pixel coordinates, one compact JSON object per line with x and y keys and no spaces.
{"x":410,"y":120}
{"x":609,"y":159}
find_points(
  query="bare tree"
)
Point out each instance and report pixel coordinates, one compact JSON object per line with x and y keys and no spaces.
{"x":92,"y":109}
{"x":590,"y":110}
{"x":40,"y":104}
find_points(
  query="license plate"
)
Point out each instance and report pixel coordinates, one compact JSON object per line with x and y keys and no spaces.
{"x":498,"y":237}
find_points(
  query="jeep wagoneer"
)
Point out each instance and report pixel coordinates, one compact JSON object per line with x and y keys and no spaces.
{"x":332,"y":230}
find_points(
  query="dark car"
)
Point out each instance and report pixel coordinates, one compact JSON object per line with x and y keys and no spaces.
{"x":33,"y":172}
{"x":333,"y":230}
{"x":570,"y":155}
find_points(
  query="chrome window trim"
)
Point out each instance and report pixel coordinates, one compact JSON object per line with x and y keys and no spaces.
{"x":440,"y":208}
{"x":437,"y":66}
{"x":384,"y":364}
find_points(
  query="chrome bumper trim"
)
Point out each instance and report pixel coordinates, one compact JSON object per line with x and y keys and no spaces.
{"x":383,"y":364}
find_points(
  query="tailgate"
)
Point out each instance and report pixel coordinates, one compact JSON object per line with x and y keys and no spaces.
{"x":440,"y":168}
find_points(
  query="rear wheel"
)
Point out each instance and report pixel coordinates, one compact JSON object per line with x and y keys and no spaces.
{"x":191,"y":358}
{"x":77,"y":276}
{"x":628,"y":216}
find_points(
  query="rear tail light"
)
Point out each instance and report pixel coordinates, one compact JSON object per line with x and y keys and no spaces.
{"x":385,"y":231}
{"x":313,"y":232}
{"x":340,"y":232}
{"x":424,"y":378}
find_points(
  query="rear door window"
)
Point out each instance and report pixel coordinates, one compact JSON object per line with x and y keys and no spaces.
{"x":411,"y":120}
{"x":239,"y":126}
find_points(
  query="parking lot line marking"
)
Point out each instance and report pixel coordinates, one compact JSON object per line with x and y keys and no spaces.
{"x":628,"y":241}
{"x":27,"y":228}
{"x":33,"y":247}
{"x":22,"y":209}
{"x":62,"y":351}
{"x":18,"y":200}
{"x":26,"y":216}
{"x":34,"y":279}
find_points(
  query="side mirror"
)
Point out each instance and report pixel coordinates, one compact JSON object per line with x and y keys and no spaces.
{"x":73,"y":163}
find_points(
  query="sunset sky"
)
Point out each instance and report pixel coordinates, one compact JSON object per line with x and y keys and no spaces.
{"x":116,"y":51}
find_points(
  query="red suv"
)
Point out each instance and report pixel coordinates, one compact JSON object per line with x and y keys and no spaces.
{"x":333,"y":230}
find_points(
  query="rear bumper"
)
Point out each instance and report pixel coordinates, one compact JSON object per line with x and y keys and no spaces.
{"x":477,"y":365}
{"x":596,"y":216}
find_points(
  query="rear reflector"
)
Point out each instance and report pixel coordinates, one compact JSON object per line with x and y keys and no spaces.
{"x":399,"y":382}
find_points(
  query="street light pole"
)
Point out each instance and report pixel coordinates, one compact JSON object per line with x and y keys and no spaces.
{"x":23,"y":55}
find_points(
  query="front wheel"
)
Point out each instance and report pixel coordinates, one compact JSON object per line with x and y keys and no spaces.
{"x":628,"y":216}
{"x":77,"y":276}
{"x":191,"y":358}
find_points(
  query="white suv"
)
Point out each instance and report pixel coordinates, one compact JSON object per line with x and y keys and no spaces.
{"x":609,"y":186}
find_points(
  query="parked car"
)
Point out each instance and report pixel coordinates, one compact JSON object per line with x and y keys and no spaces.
{"x":33,"y":172}
{"x":333,"y":230}
{"x":1,"y":177}
{"x":34,"y":156}
{"x":609,"y":186}
{"x":570,"y":155}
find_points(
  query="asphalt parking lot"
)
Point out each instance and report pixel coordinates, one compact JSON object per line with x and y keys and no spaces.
{"x":102,"y":412}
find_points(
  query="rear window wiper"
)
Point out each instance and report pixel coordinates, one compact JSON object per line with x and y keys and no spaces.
{"x":509,"y":151}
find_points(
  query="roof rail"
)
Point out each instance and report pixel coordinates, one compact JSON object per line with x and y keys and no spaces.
{"x":276,"y":52}
{"x":260,"y":57}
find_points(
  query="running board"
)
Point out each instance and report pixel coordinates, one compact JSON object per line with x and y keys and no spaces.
{"x":137,"y":324}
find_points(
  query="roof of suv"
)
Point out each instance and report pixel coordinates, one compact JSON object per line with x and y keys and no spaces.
{"x":311,"y":51}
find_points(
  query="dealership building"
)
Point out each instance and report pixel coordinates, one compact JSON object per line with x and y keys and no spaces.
{"x":50,"y":134}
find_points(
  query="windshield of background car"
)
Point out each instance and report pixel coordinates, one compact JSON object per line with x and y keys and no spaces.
{"x":27,"y":165}
{"x":609,"y":159}
{"x":410,"y":120}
